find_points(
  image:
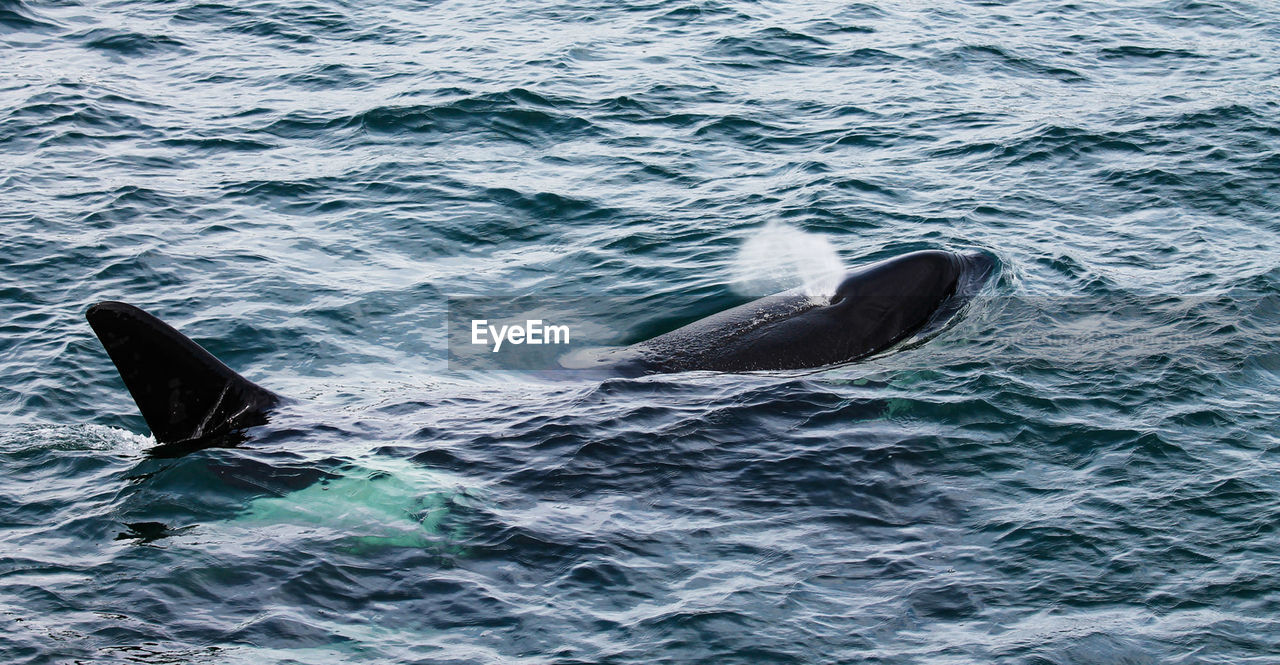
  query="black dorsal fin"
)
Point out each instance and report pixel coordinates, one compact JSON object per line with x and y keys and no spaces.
{"x":185,"y":394}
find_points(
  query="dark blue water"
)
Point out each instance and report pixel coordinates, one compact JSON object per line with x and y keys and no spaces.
{"x":1082,"y":470}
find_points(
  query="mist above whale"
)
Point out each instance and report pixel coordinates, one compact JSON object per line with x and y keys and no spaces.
{"x":191,"y":400}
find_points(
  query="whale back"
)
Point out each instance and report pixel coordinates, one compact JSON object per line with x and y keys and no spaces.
{"x":874,"y":308}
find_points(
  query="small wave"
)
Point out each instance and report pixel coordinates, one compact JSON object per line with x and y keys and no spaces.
{"x":1234,"y":116}
{"x":329,"y":77}
{"x":747,"y":131}
{"x":996,"y":59}
{"x":261,"y":26}
{"x":770,"y":47}
{"x":1055,"y":143}
{"x":218,"y":144}
{"x":1140,"y":53}
{"x":128,"y":43}
{"x":517,"y":115}
{"x":708,"y":12}
{"x":17,"y":15}
{"x":503,"y":115}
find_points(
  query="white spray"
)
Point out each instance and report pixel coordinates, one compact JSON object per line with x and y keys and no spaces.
{"x":780,"y":257}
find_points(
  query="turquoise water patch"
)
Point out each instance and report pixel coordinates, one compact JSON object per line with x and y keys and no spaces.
{"x":375,"y":503}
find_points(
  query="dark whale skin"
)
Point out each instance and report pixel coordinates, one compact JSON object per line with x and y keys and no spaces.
{"x":874,"y":308}
{"x":187,"y":396}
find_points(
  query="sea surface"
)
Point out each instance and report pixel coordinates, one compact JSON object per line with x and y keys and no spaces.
{"x":1084,"y":468}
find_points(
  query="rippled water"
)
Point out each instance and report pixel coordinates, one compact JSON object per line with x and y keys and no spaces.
{"x":1083,"y":470}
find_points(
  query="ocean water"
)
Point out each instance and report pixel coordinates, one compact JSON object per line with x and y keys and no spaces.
{"x":1083,"y":469}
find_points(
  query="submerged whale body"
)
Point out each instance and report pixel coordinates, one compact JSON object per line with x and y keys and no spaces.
{"x":191,"y":400}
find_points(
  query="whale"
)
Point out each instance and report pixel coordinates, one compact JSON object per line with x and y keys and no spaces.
{"x":873,"y":308}
{"x":191,"y":400}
